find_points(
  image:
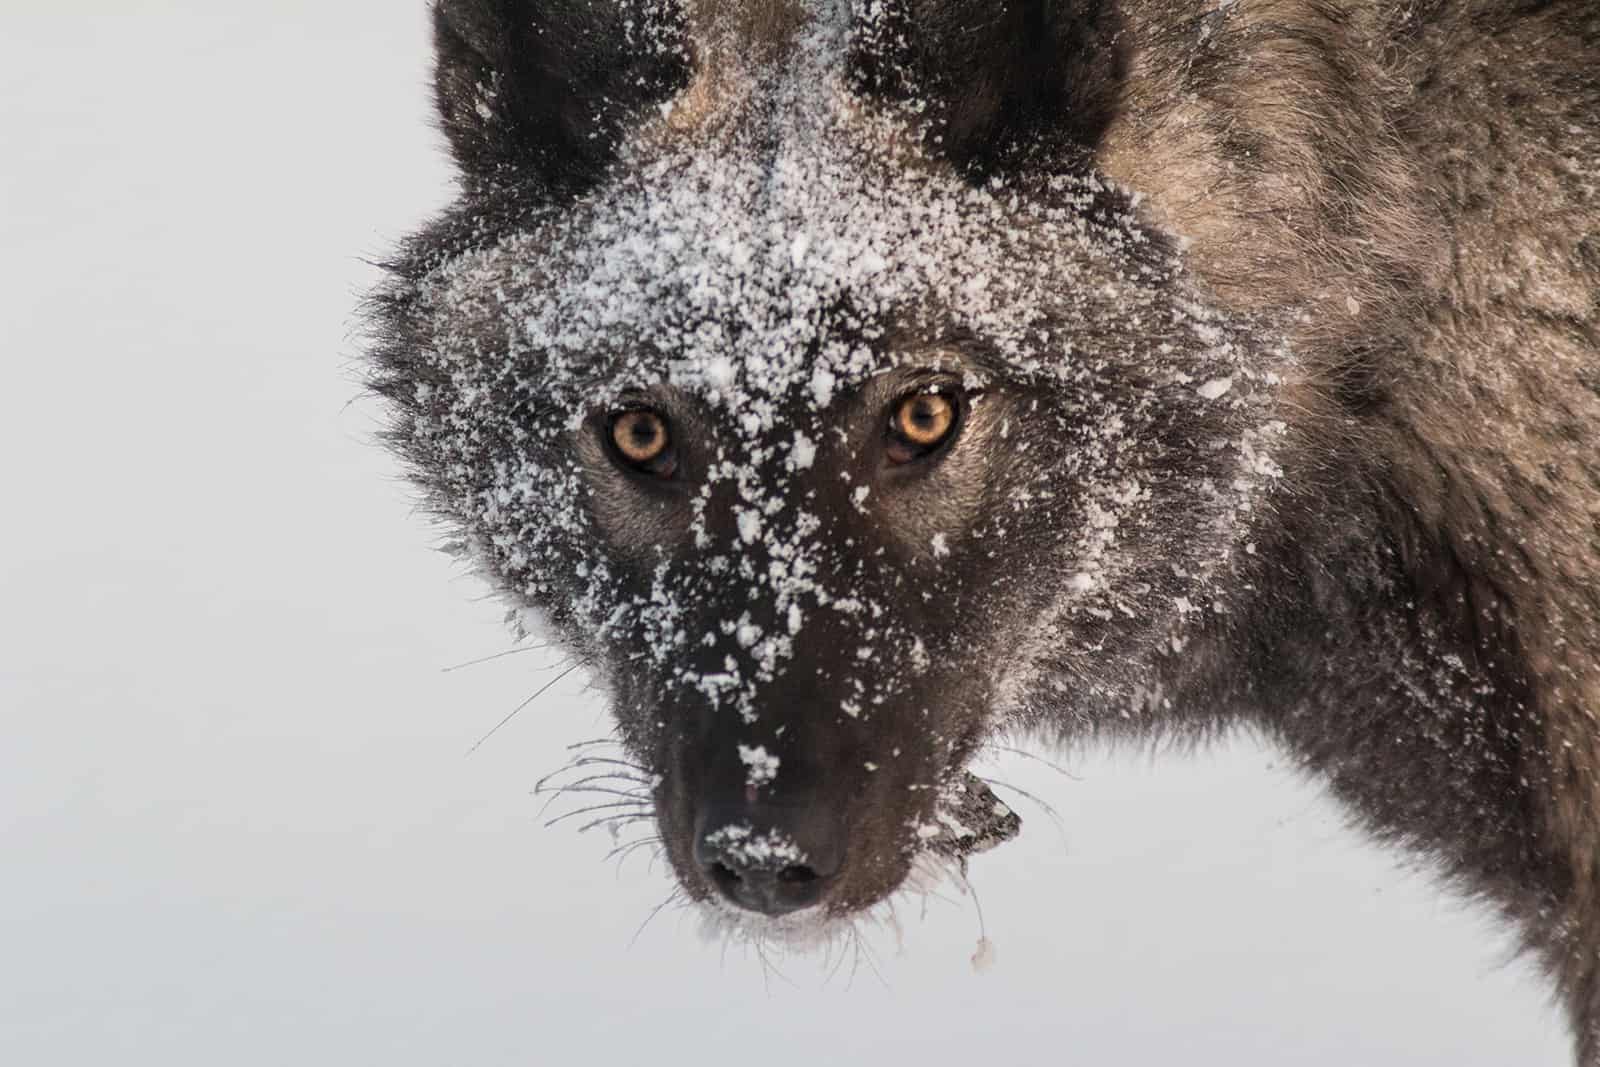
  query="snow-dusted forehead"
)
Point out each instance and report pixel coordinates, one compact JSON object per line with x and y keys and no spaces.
{"x":760,"y":249}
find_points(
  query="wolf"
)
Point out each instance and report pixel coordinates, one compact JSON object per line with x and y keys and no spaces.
{"x":847,"y":383}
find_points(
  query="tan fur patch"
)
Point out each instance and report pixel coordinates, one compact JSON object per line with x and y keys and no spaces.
{"x":733,"y":38}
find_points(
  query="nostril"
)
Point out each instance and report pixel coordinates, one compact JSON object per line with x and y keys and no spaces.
{"x":774,"y":865}
{"x":798,"y":875}
{"x":771,"y":890}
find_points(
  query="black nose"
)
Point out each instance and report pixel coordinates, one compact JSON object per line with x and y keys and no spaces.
{"x":766,"y":862}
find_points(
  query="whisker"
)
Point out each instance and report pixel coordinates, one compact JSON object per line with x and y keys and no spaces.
{"x":672,"y":896}
{"x":557,"y":794}
{"x":766,"y":976}
{"x":497,"y":655}
{"x":513,"y":713}
{"x":1025,"y":754}
{"x":542,"y":785}
{"x":602,"y":761}
{"x":934,"y":894}
{"x":605,"y":790}
{"x":977,"y":905}
{"x":872,"y":963}
{"x":623,"y":851}
{"x":842,"y":938}
{"x":855,"y":959}
{"x":590,"y":808}
{"x":615,"y":823}
{"x":770,"y":968}
{"x":592,"y":742}
{"x":545,"y":785}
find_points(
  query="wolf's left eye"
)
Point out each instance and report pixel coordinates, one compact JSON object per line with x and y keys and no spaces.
{"x":641,"y":440}
{"x":919,"y":424}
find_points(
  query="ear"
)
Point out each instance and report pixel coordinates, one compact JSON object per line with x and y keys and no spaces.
{"x":544,"y":88}
{"x":1003,"y":80}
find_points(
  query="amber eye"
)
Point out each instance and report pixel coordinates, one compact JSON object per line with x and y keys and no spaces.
{"x":642,"y":440}
{"x":919,"y":424}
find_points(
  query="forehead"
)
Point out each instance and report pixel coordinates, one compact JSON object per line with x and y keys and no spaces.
{"x":767,"y":245}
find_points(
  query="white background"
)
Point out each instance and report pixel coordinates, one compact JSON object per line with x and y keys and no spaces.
{"x":237,"y":824}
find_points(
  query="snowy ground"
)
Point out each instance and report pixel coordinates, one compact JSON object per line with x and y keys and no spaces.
{"x":236,"y":819}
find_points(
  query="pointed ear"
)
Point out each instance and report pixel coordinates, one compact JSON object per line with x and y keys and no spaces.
{"x":1003,"y":80}
{"x":544,"y":88}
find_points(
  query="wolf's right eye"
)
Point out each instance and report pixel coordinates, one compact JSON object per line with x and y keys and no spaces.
{"x":641,"y":440}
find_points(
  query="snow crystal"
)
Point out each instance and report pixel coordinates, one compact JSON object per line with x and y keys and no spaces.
{"x":749,"y":848}
{"x":720,"y":374}
{"x":799,"y":248}
{"x":745,"y":846}
{"x":761,"y":767}
{"x":803,"y":452}
{"x":983,"y":960}
{"x":747,"y":633}
{"x":749,"y":526}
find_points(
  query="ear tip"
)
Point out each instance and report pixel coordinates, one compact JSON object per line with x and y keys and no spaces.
{"x":468,"y":39}
{"x":479,"y":26}
{"x":530,"y":88}
{"x":999,"y":77}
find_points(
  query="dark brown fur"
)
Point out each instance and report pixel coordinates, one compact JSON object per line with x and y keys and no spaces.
{"x":1424,"y":179}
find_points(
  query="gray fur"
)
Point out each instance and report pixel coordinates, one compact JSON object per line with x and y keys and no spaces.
{"x":1280,"y":326}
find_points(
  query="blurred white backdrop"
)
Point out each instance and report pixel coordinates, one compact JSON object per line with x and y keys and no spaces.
{"x":237,"y":824}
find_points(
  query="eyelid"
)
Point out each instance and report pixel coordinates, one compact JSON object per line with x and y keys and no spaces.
{"x":937,"y":383}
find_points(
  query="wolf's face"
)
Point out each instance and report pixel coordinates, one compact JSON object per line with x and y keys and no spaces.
{"x":828,"y":458}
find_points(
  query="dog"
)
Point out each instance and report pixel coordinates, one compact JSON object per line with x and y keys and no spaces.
{"x":848,"y":382}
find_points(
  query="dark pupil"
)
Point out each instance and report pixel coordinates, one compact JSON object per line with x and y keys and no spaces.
{"x":644,"y":432}
{"x":924,"y":415}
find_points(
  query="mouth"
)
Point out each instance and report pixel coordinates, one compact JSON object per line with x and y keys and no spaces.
{"x":826,"y":917}
{"x":968,"y":819}
{"x":756,"y":871}
{"x":793,"y":872}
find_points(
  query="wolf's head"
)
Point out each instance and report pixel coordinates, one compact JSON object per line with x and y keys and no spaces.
{"x":793,"y":364}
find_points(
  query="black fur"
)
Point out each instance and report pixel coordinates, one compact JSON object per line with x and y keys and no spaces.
{"x":543,"y":91}
{"x":1005,"y":81}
